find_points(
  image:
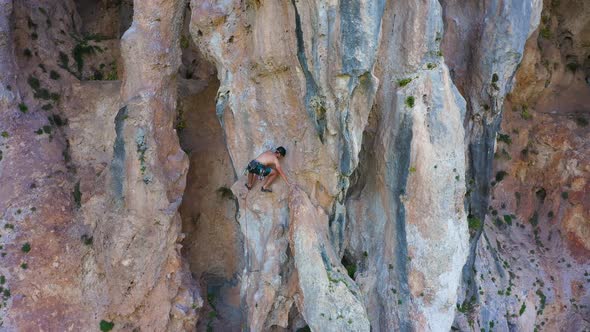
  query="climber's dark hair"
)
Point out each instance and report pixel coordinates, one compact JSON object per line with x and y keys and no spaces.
{"x":281,"y":150}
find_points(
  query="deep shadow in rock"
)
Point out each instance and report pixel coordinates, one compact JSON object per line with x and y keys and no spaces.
{"x":213,"y":243}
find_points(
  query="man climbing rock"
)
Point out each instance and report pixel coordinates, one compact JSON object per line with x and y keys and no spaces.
{"x":266,"y":165}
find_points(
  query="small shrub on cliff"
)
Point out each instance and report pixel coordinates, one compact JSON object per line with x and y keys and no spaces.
{"x":504,"y":138}
{"x":545,"y":33}
{"x":54,"y":75}
{"x":34,"y":82}
{"x":77,"y":195}
{"x":349,"y":266}
{"x":26,"y":247}
{"x":410,"y":101}
{"x":522,"y":309}
{"x":4,"y":134}
{"x":27,"y":53}
{"x":23,"y":107}
{"x":404,"y":82}
{"x":473,"y":223}
{"x":64,"y":61}
{"x":106,"y":326}
{"x":184,"y":42}
{"x":581,"y":121}
{"x":565,"y":195}
{"x":87,"y":240}
{"x":24,"y":266}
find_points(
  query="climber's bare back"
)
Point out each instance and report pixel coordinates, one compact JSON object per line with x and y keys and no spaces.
{"x":269,"y":159}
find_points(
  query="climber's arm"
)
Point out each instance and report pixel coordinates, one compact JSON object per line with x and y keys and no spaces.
{"x":280,"y":170}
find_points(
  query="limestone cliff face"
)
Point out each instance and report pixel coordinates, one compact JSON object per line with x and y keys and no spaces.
{"x":438,"y":151}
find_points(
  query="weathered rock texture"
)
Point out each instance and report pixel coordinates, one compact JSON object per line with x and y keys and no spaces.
{"x":438,"y":152}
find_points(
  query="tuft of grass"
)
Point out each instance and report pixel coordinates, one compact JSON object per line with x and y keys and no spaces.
{"x":522,"y":309}
{"x":403,"y":82}
{"x":64,"y":61}
{"x":351,"y":270}
{"x":106,"y":326}
{"x":534,"y":219}
{"x":5,"y":134}
{"x":24,"y":266}
{"x":23,"y":107}
{"x":581,"y":121}
{"x":54,"y":75}
{"x":545,"y":33}
{"x":430,"y":65}
{"x":473,"y":223}
{"x":504,"y":138}
{"x":34,"y":82}
{"x":77,"y":195}
{"x":410,"y":101}
{"x":565,"y":195}
{"x":183,"y":42}
{"x":87,"y":240}
{"x":26,"y":247}
{"x":525,"y":114}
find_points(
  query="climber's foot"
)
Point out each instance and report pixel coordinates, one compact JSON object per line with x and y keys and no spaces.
{"x":247,"y":186}
{"x":265,"y":190}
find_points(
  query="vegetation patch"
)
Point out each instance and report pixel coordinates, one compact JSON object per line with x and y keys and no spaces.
{"x":77,"y":195}
{"x":522,"y":309}
{"x":504,"y":138}
{"x":581,"y":121}
{"x":525,"y":114}
{"x":350,"y":267}
{"x":473,"y":223}
{"x":410,"y":101}
{"x":403,"y":82}
{"x":23,"y":107}
{"x":54,"y":75}
{"x":106,"y":326}
{"x":545,"y":33}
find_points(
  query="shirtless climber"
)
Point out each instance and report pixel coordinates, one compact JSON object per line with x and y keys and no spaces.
{"x":266,"y":165}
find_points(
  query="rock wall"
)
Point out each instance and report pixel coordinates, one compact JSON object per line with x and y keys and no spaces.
{"x":438,"y":151}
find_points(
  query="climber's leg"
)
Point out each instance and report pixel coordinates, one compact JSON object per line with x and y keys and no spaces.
{"x":269,"y":179}
{"x":251,"y":180}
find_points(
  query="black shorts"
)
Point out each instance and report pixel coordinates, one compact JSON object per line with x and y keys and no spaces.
{"x":257,"y":168}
